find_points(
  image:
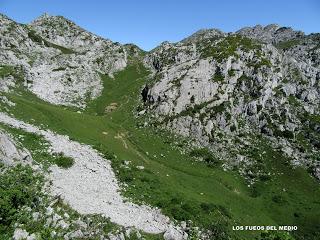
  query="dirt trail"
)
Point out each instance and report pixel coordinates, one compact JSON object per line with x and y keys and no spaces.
{"x":121,"y":137}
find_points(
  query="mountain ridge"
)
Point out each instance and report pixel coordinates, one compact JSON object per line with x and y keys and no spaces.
{"x":269,"y":28}
{"x":194,"y":137}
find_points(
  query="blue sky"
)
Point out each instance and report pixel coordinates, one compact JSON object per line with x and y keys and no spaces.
{"x":150,"y":22}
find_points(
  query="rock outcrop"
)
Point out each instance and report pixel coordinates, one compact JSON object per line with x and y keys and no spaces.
{"x":261,"y":80}
{"x":272,"y":33}
{"x":10,"y":152}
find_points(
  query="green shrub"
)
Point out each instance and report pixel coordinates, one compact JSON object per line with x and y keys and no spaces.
{"x":6,"y":71}
{"x":231,"y":73}
{"x":63,"y":161}
{"x":208,"y":207}
{"x":279,"y":199}
{"x":205,"y":155}
{"x":58,"y":69}
{"x":219,"y":230}
{"x":285,"y":45}
{"x":19,"y":187}
{"x":273,"y":235}
{"x":264,"y":177}
{"x":192,"y":99}
{"x":293,"y":101}
{"x":228,"y":47}
{"x":218,"y":76}
{"x":180,"y":214}
{"x":256,"y":191}
{"x":38,"y":39}
{"x":285,"y":133}
{"x":233,"y":128}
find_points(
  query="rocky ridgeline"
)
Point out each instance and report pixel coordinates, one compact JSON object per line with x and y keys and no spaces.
{"x":272,"y":33}
{"x":57,"y":60}
{"x":221,"y":88}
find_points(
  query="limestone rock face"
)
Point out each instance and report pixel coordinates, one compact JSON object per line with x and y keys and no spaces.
{"x":204,"y":34}
{"x":272,"y":33}
{"x":57,"y":60}
{"x":175,"y":234}
{"x":214,"y":87}
{"x":10,"y":153}
{"x":20,"y":234}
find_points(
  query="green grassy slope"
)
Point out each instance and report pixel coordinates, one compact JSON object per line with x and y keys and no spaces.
{"x":182,"y":187}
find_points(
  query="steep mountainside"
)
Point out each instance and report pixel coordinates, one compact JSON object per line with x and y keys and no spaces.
{"x":57,"y":60}
{"x":220,"y":89}
{"x":100,"y":140}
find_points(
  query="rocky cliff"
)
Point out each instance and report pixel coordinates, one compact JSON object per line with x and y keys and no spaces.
{"x":221,"y":89}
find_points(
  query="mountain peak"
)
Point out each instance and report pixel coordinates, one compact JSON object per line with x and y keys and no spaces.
{"x":4,"y":18}
{"x":204,"y":34}
{"x":44,"y":16}
{"x":51,"y":20}
{"x":64,"y":32}
{"x":272,"y":33}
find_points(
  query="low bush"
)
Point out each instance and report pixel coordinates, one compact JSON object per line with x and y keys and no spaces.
{"x":205,"y":155}
{"x":19,"y":187}
{"x":279,"y":199}
{"x":63,"y":161}
{"x":274,"y":235}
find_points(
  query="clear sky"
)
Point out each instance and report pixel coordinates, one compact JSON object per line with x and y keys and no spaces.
{"x":150,"y":22}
